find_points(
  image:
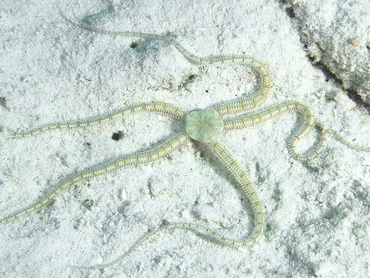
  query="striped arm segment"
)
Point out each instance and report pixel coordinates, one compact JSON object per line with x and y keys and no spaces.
{"x":157,"y":107}
{"x":136,"y":159}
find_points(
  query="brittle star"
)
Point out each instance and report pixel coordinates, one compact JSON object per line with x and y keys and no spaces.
{"x":203,"y":126}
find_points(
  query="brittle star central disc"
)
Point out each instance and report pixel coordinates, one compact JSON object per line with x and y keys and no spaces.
{"x":204,"y":125}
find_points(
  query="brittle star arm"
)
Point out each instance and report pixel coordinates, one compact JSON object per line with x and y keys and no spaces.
{"x":251,"y":101}
{"x":135,"y":159}
{"x":248,"y":189}
{"x":342,"y":140}
{"x":157,"y":107}
{"x":308,"y":122}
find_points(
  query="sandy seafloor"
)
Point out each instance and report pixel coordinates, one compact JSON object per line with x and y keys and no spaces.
{"x":317,"y":214}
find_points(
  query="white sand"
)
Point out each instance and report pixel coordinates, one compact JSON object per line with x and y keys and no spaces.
{"x":318,"y":221}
